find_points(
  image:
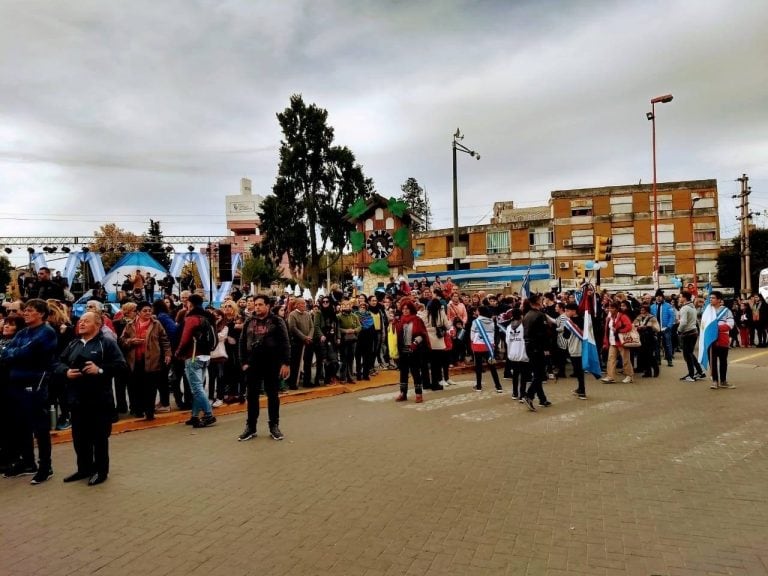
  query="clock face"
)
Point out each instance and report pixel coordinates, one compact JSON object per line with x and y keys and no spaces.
{"x":380,"y":244}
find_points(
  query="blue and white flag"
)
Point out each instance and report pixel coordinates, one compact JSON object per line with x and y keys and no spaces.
{"x":708,"y":289}
{"x":525,"y":289}
{"x":590,"y":357}
{"x":708,"y":334}
{"x":484,"y":337}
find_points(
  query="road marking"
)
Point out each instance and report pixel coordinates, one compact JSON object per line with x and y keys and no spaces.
{"x":755,"y":355}
{"x":437,"y":403}
{"x":387,"y":396}
{"x":726,"y":449}
{"x":547,"y":421}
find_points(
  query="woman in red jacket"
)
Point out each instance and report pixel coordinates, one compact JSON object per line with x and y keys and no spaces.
{"x":616,"y":323}
{"x":412,"y":344}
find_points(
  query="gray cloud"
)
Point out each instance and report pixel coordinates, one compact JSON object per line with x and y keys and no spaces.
{"x":144,"y":107}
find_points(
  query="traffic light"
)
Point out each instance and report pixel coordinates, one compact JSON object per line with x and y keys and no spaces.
{"x":578,"y":270}
{"x":603,"y":248}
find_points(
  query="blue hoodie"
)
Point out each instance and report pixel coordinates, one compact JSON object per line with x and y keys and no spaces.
{"x":30,"y":354}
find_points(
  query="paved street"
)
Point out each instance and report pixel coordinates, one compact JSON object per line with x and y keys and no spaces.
{"x":659,"y":477}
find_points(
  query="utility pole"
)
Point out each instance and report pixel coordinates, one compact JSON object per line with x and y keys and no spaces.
{"x":744,"y":218}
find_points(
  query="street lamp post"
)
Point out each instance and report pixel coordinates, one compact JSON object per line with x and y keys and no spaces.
{"x":461,"y":148}
{"x":693,"y":246}
{"x":652,"y":117}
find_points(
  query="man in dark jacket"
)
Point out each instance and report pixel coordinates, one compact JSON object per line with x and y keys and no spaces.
{"x":265,"y":353}
{"x":29,"y":359}
{"x":89,"y":363}
{"x":537,"y":345}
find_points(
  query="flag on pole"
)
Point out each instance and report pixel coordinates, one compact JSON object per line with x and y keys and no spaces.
{"x":708,"y":289}
{"x":525,"y":289}
{"x":708,"y":334}
{"x":586,"y":299}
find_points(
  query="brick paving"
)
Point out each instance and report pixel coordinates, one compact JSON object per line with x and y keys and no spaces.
{"x":659,"y":477}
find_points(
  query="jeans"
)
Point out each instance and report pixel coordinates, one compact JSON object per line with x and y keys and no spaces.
{"x":665,"y":340}
{"x":718,"y":358}
{"x":194,"y":369}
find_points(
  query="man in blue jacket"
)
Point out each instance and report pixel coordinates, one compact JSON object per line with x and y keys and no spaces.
{"x":29,"y":359}
{"x":665,"y":314}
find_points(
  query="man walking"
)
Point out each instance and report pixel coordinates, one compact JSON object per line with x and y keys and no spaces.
{"x":537,"y":349}
{"x":89,"y":363}
{"x":265,"y":354}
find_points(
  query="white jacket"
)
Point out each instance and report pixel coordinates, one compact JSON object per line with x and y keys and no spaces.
{"x":516,"y":344}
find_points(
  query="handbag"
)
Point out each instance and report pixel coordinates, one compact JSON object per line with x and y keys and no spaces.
{"x":220,"y":352}
{"x":630,"y":339}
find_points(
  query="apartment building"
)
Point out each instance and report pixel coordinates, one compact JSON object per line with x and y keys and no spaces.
{"x":562,"y":234}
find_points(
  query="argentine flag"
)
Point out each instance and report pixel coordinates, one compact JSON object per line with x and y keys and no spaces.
{"x":708,"y":334}
{"x":590,"y":358}
{"x":525,"y":289}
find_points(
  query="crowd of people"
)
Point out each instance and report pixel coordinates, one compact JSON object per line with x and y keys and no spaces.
{"x":87,"y":372}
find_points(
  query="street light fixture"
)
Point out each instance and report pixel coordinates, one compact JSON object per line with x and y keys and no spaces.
{"x":693,"y":246}
{"x":461,"y":148}
{"x":652,"y":117}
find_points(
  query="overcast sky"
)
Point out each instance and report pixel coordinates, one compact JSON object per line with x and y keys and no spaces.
{"x":122,"y":111}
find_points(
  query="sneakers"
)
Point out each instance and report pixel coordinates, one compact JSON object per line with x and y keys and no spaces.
{"x":700,"y":376}
{"x":529,"y":403}
{"x":607,"y":380}
{"x":443,"y":383}
{"x":20,"y":469}
{"x":204,"y":422}
{"x":247,"y":434}
{"x":64,"y":424}
{"x":715,"y":385}
{"x":514,"y":397}
{"x":41,"y":476}
{"x":437,"y":386}
{"x":274,"y":431}
{"x":726,"y":385}
{"x":217,"y":404}
{"x":499,"y":391}
{"x":164,"y":409}
{"x":419,"y":398}
{"x":687,"y":378}
{"x":627,"y":380}
{"x":194,"y":421}
{"x":581,"y":396}
{"x":545,"y":404}
{"x":478,"y":388}
{"x":450,"y":382}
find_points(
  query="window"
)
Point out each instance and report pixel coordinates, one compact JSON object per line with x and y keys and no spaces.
{"x":621,"y":205}
{"x":542,"y":236}
{"x":390,"y":224}
{"x":368,"y":225}
{"x":664,"y":203}
{"x":582,"y":238}
{"x":497,"y":242}
{"x":418,"y":252}
{"x":704,"y":232}
{"x":581,"y":207}
{"x":623,"y":268}
{"x":623,"y":236}
{"x":379,"y":214}
{"x":703,"y":201}
{"x":666,"y":234}
{"x":667,"y":265}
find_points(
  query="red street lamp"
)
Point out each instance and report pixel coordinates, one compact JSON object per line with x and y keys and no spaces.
{"x":652,"y":117}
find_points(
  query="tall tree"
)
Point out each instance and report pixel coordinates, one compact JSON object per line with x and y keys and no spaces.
{"x":112,"y":241}
{"x":259,"y":270}
{"x":153,"y":244}
{"x":316,"y":183}
{"x":729,"y":260}
{"x":418,"y":204}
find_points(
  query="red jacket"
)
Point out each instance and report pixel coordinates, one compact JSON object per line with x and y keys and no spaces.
{"x":621,"y":325}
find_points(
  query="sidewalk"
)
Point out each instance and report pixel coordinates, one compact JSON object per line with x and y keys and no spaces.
{"x":130,"y":424}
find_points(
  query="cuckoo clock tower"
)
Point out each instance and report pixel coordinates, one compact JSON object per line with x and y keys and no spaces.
{"x":381,"y":241}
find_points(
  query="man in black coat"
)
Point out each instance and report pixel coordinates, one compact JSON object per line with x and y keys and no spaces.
{"x":89,"y":364}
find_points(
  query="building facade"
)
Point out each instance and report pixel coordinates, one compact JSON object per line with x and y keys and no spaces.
{"x":562,"y":234}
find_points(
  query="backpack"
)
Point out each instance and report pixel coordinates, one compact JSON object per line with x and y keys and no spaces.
{"x":205,"y":338}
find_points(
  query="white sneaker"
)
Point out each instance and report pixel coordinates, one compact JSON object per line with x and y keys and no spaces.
{"x":218,"y":404}
{"x":450,"y":382}
{"x":627,"y":380}
{"x":443,"y":383}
